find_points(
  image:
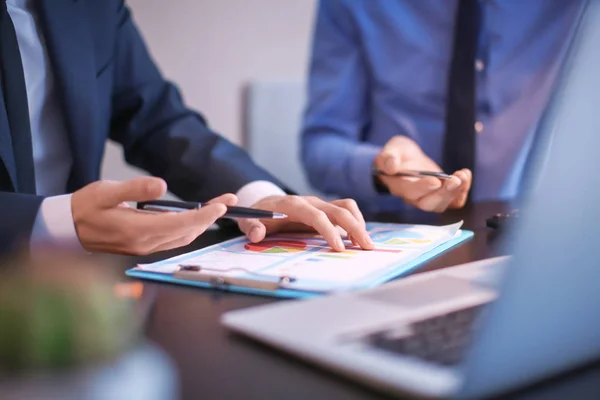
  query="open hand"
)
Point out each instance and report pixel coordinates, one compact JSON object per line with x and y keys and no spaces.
{"x":106,"y":223}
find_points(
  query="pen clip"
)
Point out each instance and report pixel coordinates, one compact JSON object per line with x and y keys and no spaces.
{"x":266,"y":282}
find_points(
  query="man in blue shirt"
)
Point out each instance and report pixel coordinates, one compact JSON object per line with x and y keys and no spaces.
{"x":379,"y":80}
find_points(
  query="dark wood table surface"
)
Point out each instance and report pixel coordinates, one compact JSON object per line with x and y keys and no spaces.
{"x":215,"y":364}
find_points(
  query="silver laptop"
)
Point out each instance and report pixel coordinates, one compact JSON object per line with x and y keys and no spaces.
{"x":483,"y":328}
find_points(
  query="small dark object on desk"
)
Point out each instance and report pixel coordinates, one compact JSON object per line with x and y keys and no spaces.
{"x":501,"y":220}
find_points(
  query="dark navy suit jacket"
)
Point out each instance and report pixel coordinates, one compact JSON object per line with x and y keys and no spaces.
{"x":110,"y":88}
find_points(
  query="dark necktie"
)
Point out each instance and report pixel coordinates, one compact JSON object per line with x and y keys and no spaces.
{"x":15,"y":99}
{"x":459,"y":141}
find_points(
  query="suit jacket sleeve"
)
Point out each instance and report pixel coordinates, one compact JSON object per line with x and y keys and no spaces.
{"x":17,"y":216}
{"x":161,"y":135}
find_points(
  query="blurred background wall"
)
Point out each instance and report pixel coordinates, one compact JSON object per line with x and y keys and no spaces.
{"x":213,"y":48}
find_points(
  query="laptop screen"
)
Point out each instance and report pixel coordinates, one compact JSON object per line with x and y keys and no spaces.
{"x":545,"y":319}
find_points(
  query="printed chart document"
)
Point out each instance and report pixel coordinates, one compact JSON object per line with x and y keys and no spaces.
{"x":308,"y":259}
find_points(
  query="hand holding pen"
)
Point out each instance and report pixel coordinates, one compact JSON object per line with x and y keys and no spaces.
{"x":410,"y":174}
{"x":299,"y":214}
{"x":105,"y":222}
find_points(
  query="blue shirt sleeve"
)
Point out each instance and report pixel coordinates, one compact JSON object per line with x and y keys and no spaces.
{"x":335,"y":160}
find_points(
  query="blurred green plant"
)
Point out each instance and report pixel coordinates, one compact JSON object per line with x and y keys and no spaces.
{"x":60,"y":312}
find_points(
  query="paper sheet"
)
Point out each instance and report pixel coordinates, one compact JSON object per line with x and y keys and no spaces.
{"x":309,"y":260}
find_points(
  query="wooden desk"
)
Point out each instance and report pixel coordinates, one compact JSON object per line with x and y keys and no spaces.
{"x":214,"y":364}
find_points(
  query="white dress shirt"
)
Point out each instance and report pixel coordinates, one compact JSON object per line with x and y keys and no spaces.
{"x":51,"y":152}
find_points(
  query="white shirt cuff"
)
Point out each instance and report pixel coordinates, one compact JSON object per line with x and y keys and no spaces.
{"x":54,"y":224}
{"x":252,"y":192}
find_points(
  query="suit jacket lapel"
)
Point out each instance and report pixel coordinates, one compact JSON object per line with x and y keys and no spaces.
{"x":6,"y":149}
{"x":70,"y":49}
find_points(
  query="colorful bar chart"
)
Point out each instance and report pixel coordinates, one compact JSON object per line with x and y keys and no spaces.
{"x":276,"y":246}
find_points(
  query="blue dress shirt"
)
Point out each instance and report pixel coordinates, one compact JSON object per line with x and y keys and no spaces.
{"x":379,"y":69}
{"x":51,"y":153}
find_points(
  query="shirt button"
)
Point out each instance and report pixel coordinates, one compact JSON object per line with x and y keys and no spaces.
{"x":478,"y":126}
{"x":479,"y":65}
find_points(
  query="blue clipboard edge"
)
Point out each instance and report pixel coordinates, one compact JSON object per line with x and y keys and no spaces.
{"x":301,"y":294}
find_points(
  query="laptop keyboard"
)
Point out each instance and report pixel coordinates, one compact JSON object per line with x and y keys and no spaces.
{"x":441,"y":339}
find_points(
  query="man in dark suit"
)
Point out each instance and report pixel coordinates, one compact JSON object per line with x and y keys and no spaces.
{"x":75,"y":73}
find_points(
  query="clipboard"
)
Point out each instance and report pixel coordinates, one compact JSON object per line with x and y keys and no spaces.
{"x":273,"y":286}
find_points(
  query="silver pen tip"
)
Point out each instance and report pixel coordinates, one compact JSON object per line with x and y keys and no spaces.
{"x":279,"y":215}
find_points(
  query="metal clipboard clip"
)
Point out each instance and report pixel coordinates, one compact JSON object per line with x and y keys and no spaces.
{"x":264,"y":282}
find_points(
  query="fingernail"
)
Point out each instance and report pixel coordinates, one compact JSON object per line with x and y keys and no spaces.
{"x":340,"y":243}
{"x":253,"y":232}
{"x":368,"y":240}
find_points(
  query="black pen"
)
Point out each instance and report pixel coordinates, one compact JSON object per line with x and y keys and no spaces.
{"x":232,"y":212}
{"x":414,"y":174}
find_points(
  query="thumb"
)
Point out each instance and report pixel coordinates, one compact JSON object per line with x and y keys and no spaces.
{"x":206,"y":215}
{"x":111,"y":194}
{"x":229,"y":199}
{"x":397,"y":151}
{"x":390,"y":158}
{"x":389,"y":163}
{"x":254,"y":230}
